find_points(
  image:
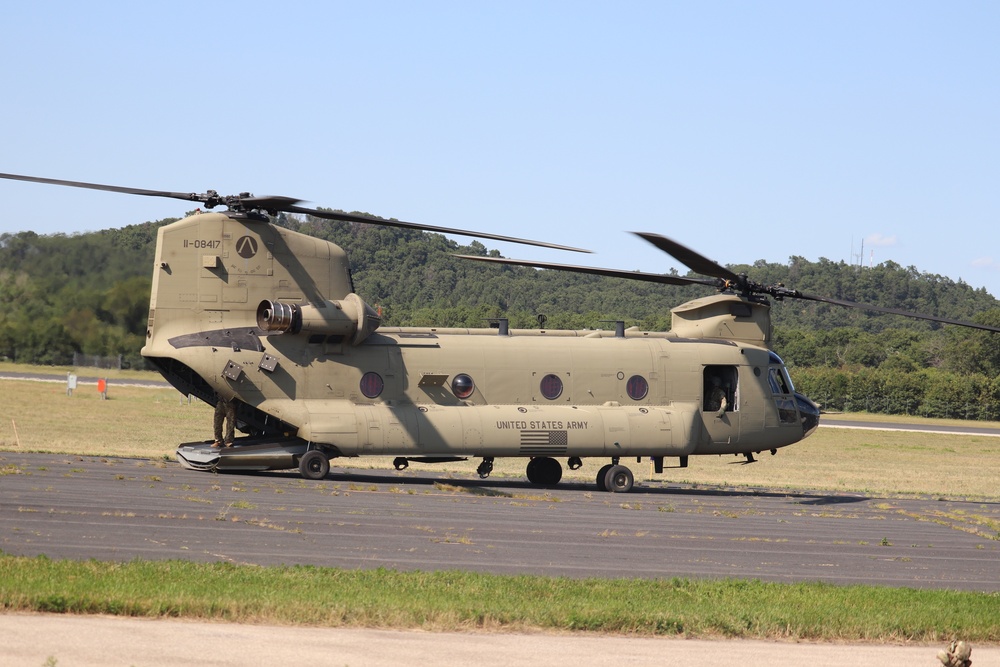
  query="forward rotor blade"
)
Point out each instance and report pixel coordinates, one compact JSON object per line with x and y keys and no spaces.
{"x":694,"y":261}
{"x":890,"y":311}
{"x":272,"y":203}
{"x":596,"y":271}
{"x":372,"y":220}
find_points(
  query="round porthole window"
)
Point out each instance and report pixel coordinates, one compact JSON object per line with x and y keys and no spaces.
{"x":372,"y":384}
{"x":551,"y":387}
{"x":463,"y":386}
{"x":637,"y":387}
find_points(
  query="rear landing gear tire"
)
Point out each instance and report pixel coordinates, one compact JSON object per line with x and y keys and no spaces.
{"x":314,"y":465}
{"x":600,"y":477}
{"x":618,"y":479}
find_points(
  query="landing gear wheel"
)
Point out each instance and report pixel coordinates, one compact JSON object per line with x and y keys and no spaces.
{"x":600,"y":477}
{"x":314,"y":464}
{"x":618,"y":479}
{"x":544,"y":471}
{"x":552,"y":472}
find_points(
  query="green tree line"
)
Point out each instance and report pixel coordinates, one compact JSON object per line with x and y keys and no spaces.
{"x":89,"y":293}
{"x":82,"y":293}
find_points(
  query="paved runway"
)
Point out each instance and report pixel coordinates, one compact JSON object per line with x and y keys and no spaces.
{"x":84,"y":379}
{"x":916,"y":426}
{"x":104,"y":508}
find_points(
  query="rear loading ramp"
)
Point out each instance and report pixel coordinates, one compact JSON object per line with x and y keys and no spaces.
{"x":247,"y":454}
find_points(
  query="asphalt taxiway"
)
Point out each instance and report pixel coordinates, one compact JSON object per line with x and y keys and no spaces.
{"x":121,"y":509}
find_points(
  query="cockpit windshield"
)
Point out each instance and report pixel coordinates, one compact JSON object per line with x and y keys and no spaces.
{"x":777,"y":380}
{"x":778,"y":376}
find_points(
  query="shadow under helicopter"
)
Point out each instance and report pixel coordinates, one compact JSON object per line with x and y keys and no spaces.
{"x":513,"y":488}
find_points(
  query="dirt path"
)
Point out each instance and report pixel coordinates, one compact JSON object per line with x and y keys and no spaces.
{"x":39,"y":640}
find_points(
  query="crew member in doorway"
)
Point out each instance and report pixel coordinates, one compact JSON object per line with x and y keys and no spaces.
{"x":225,"y":410}
{"x":716,"y":401}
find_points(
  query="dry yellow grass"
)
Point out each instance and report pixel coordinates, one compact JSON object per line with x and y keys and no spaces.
{"x":879,"y":462}
{"x":133,"y":422}
{"x":150,"y":423}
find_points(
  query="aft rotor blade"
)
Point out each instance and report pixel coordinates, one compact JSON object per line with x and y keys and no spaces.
{"x":890,"y":311}
{"x":186,"y":196}
{"x":372,"y":220}
{"x":596,"y":271}
{"x":691,"y":259}
{"x":276,"y":204}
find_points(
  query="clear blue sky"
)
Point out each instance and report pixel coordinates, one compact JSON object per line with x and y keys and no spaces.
{"x":745,"y":130}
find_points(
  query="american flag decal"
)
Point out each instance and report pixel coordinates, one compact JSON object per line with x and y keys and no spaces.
{"x":544,"y":442}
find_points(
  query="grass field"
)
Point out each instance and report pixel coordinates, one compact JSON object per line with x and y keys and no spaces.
{"x":149,"y":423}
{"x":473,"y":601}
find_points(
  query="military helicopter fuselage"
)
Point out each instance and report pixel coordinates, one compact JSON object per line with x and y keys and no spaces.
{"x":246,"y":310}
{"x":264,"y":322}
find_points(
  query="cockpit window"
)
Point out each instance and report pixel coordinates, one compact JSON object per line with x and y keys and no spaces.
{"x":778,"y":375}
{"x":779,"y":381}
{"x":782,"y":389}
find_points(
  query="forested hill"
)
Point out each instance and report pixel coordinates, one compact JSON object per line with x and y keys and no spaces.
{"x":89,"y":292}
{"x":83,"y":293}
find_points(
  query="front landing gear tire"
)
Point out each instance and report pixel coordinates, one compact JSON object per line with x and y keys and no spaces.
{"x":618,"y":479}
{"x":314,"y":465}
{"x":544,"y":471}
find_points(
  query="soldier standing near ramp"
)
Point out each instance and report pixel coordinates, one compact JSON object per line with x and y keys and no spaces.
{"x":225,"y":410}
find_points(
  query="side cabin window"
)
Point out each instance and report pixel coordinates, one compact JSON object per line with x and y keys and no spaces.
{"x":721,"y":391}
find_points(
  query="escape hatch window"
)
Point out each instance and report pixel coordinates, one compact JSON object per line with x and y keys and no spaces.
{"x":721,"y":389}
{"x":551,"y":387}
{"x":372,"y":384}
{"x":637,"y":387}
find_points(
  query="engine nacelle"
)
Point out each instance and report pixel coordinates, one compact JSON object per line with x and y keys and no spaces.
{"x":350,"y":317}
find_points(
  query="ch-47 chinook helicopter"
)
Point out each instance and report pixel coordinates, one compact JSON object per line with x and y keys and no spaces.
{"x":248,"y":311}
